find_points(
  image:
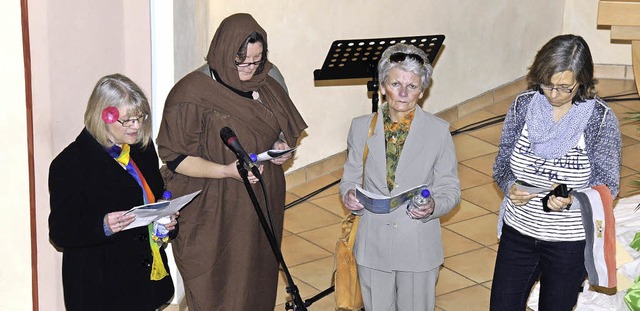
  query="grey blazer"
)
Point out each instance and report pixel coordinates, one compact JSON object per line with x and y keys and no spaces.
{"x":395,"y":242}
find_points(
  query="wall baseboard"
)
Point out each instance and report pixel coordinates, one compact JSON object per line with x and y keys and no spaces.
{"x":182,"y":306}
{"x":503,"y":94}
{"x":616,"y":72}
{"x":330,"y":165}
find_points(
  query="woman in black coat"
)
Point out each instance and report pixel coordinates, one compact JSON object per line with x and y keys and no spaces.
{"x":92,"y":183}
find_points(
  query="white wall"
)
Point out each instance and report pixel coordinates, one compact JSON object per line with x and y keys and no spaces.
{"x":15,"y":273}
{"x":488,"y":43}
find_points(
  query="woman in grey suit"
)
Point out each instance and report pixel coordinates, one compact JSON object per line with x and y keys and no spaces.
{"x":399,"y":253}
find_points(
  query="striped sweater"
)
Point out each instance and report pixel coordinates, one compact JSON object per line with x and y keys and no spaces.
{"x":602,"y":138}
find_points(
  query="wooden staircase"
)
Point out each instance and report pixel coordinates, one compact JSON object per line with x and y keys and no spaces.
{"x":624,"y":18}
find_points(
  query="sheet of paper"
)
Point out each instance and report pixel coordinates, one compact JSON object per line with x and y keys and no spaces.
{"x":273,"y":153}
{"x":145,"y":214}
{"x":531,"y":189}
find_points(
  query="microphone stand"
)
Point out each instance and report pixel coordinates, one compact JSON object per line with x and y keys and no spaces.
{"x":292,"y":289}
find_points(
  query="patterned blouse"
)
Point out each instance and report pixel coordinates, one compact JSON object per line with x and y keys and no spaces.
{"x":395,"y":133}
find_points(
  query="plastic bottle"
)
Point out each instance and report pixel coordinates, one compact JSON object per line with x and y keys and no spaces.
{"x":420,"y":199}
{"x":159,"y":229}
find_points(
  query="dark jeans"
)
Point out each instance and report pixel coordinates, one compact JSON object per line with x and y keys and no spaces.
{"x":522,"y":259}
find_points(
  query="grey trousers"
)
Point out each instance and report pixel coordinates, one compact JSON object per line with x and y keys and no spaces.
{"x":398,"y":290}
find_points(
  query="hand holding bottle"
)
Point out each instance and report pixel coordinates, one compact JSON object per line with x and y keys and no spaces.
{"x":421,"y":205}
{"x":160,"y":231}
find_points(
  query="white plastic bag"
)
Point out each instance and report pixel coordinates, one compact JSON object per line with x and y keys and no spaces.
{"x":592,"y":301}
{"x":587,"y":300}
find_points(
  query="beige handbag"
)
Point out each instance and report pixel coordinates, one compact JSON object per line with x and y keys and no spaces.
{"x":345,"y":278}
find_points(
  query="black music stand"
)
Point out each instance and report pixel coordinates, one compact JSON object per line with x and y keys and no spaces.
{"x":358,"y":58}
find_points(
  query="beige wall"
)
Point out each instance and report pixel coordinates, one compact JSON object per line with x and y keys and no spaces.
{"x":15,"y":271}
{"x":74,"y":42}
{"x":579,"y":18}
{"x":488,"y":43}
{"x":191,"y":22}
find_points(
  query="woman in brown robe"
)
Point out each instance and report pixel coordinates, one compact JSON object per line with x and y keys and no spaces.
{"x":222,"y":252}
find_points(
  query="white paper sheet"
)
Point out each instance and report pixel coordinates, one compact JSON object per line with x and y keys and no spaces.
{"x":273,"y":153}
{"x":145,"y":214}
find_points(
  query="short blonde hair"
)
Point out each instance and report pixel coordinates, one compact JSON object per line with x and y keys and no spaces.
{"x":118,"y":91}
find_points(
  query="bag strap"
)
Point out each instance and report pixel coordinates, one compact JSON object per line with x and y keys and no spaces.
{"x":365,"y":153}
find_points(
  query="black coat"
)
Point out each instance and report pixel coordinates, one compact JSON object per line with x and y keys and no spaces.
{"x":100,"y":272}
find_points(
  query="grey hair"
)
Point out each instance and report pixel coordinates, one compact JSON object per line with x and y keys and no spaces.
{"x":409,"y":64}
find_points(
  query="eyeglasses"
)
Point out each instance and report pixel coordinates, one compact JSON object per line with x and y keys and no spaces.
{"x":400,"y":57}
{"x":561,"y":89}
{"x":248,"y":64}
{"x":130,"y":122}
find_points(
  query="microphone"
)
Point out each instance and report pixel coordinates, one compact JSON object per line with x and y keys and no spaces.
{"x":231,"y":140}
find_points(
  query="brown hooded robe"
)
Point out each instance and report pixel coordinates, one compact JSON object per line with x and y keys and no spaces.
{"x":221,"y":251}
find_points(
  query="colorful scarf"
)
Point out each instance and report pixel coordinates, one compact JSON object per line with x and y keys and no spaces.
{"x":395,"y":133}
{"x":596,"y":207}
{"x":158,"y":272}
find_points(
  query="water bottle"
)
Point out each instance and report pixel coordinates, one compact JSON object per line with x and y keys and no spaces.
{"x":160,"y":232}
{"x":420,"y":199}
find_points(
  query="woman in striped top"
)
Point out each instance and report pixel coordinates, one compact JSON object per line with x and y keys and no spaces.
{"x":557,"y":132}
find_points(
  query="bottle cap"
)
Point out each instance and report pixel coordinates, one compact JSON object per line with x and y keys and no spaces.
{"x":167,"y":195}
{"x":253,"y":157}
{"x":425,"y":193}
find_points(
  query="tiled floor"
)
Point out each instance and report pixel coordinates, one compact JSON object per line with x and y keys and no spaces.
{"x":469,"y":231}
